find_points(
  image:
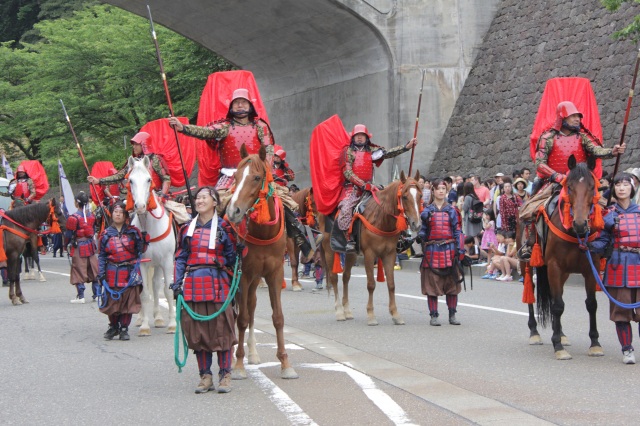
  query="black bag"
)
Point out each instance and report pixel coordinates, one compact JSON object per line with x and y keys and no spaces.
{"x":476,"y":211}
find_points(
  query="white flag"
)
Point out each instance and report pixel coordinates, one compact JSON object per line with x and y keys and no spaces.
{"x":69,"y":201}
{"x":7,"y":167}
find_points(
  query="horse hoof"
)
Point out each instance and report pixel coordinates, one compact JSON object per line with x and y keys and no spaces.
{"x":42,"y":278}
{"x":297,"y":288}
{"x":563,"y":355}
{"x":254,"y":359}
{"x":238,"y":374}
{"x":372,"y":322}
{"x":535,"y":340}
{"x":340,"y":316}
{"x":289,"y":373}
{"x":564,"y":341}
{"x":144,"y":332}
{"x":16,"y":302}
{"x":595,"y":351}
{"x":159,"y":323}
{"x":171,"y":329}
{"x":398,"y":321}
{"x":138,"y":322}
{"x":23,"y":300}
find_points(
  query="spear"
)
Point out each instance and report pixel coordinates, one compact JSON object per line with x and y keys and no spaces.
{"x":169,"y":104}
{"x":94,"y":190}
{"x":415,"y":130}
{"x":626,"y":120}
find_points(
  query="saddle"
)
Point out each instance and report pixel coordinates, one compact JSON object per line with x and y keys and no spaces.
{"x":542,"y":229}
{"x":338,"y":238}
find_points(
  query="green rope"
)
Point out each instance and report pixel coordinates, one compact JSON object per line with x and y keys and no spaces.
{"x":180,"y":303}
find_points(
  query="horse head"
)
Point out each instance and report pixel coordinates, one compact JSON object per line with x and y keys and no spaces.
{"x":250,"y":179}
{"x":580,"y":186}
{"x":411,"y":199}
{"x":140,"y":183}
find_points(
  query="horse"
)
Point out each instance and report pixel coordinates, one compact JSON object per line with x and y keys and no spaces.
{"x":308,"y":214}
{"x":19,"y":226}
{"x":265,"y":241}
{"x":563,"y":255}
{"x":399,"y":205}
{"x":160,"y":254}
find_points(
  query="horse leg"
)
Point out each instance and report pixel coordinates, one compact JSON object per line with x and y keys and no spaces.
{"x":388,"y":263}
{"x":369,"y":265}
{"x":556,"y":281}
{"x":239,"y":372}
{"x":157,"y":280}
{"x":167,"y":270}
{"x":592,"y":306}
{"x":14,"y":279}
{"x":349,"y":261}
{"x":286,"y":370}
{"x":294,"y":252}
{"x":41,"y":277}
{"x":534,"y":336}
{"x":252,"y":347}
{"x":332,"y":278}
{"x":147,"y":304}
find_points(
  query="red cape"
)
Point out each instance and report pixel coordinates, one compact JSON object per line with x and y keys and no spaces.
{"x":214,"y":105}
{"x":102,"y":169}
{"x":36,"y":172}
{"x":577,"y":90}
{"x":328,"y":140}
{"x":164,"y":144}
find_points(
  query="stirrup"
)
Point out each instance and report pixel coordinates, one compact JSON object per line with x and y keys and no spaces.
{"x":524,"y":253}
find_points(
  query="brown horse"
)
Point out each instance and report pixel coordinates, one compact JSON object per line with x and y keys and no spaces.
{"x":563,"y":256}
{"x":19,"y":226}
{"x":382,"y":224}
{"x":308,"y":212}
{"x":265,"y":244}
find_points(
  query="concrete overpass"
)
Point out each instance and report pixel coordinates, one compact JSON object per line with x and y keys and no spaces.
{"x":360,"y":59}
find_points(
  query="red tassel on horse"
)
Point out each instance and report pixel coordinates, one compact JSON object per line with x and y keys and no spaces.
{"x":337,"y":266}
{"x":380,"y":277}
{"x":527,"y":293}
{"x":536,"y":256}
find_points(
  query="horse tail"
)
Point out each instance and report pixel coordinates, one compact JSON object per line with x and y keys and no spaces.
{"x":543,"y":296}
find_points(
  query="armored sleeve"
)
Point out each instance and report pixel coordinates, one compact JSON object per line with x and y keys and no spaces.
{"x":266,"y":138}
{"x":394,"y":152}
{"x":160,"y":168}
{"x":32,"y":189}
{"x":182,"y":255}
{"x":288,"y":172}
{"x":213,"y":132}
{"x":117,"y":178}
{"x":102,"y":254}
{"x":545,"y":144}
{"x":594,"y":149}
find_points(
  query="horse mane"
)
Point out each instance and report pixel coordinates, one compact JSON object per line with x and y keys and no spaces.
{"x":25,"y":214}
{"x":300,"y":197}
{"x":387,"y":206}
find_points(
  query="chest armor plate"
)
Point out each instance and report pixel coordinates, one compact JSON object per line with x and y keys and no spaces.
{"x":628,"y":230}
{"x":199,"y":247}
{"x":363,"y":165}
{"x":238,"y":135}
{"x":440,"y":227}
{"x":120,"y":249}
{"x":22,"y":189}
{"x":563,"y":148}
{"x":280,"y":174}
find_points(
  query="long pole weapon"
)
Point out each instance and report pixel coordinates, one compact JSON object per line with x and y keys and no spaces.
{"x":84,"y":161}
{"x":415,"y":130}
{"x":169,"y":104}
{"x":626,"y":120}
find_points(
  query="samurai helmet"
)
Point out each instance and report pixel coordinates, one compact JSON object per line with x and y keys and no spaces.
{"x":280,"y":152}
{"x":240,"y":93}
{"x":360,"y":128}
{"x":564,"y":110}
{"x":144,"y":139}
{"x":21,"y":169}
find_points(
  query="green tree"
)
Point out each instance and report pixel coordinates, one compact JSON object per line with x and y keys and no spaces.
{"x":631,"y":31}
{"x":101,"y":62}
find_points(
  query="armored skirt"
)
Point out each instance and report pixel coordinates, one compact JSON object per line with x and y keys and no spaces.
{"x":218,"y":334}
{"x":83,"y":269}
{"x":129,"y":302}
{"x":439,"y":283}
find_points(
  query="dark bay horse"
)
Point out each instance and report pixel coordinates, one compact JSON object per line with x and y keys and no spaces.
{"x":18,"y":227}
{"x":563,"y":256}
{"x":257,"y":215}
{"x":308,"y":213}
{"x":382,"y":224}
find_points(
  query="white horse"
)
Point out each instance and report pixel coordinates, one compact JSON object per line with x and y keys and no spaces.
{"x":157,"y":224}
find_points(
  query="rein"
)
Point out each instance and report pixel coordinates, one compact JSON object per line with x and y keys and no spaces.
{"x":401,"y":218}
{"x":560,"y":233}
{"x":243,"y":231}
{"x":163,"y":212}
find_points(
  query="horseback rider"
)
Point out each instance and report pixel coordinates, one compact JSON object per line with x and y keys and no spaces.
{"x":22,"y":189}
{"x":282,"y":173}
{"x":358,"y":159}
{"x":141,"y":146}
{"x":567,"y":137}
{"x":243,"y":126}
{"x":621,"y":239}
{"x":121,"y":246}
{"x":84,"y":263}
{"x":441,"y":241}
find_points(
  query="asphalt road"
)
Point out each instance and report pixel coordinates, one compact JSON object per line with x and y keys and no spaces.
{"x":57,"y":369}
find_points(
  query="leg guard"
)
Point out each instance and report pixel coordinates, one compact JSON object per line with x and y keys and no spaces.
{"x":433,"y":305}
{"x":296,"y":230}
{"x":624,"y":335}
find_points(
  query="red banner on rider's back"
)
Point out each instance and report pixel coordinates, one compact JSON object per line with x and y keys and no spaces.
{"x":214,"y":106}
{"x":328,"y":141}
{"x":577,"y":90}
{"x":37,"y":174}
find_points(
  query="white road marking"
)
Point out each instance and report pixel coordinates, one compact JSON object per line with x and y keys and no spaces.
{"x":468,"y":305}
{"x":282,"y":401}
{"x":56,"y":273}
{"x":388,"y":406}
{"x":291,"y":346}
